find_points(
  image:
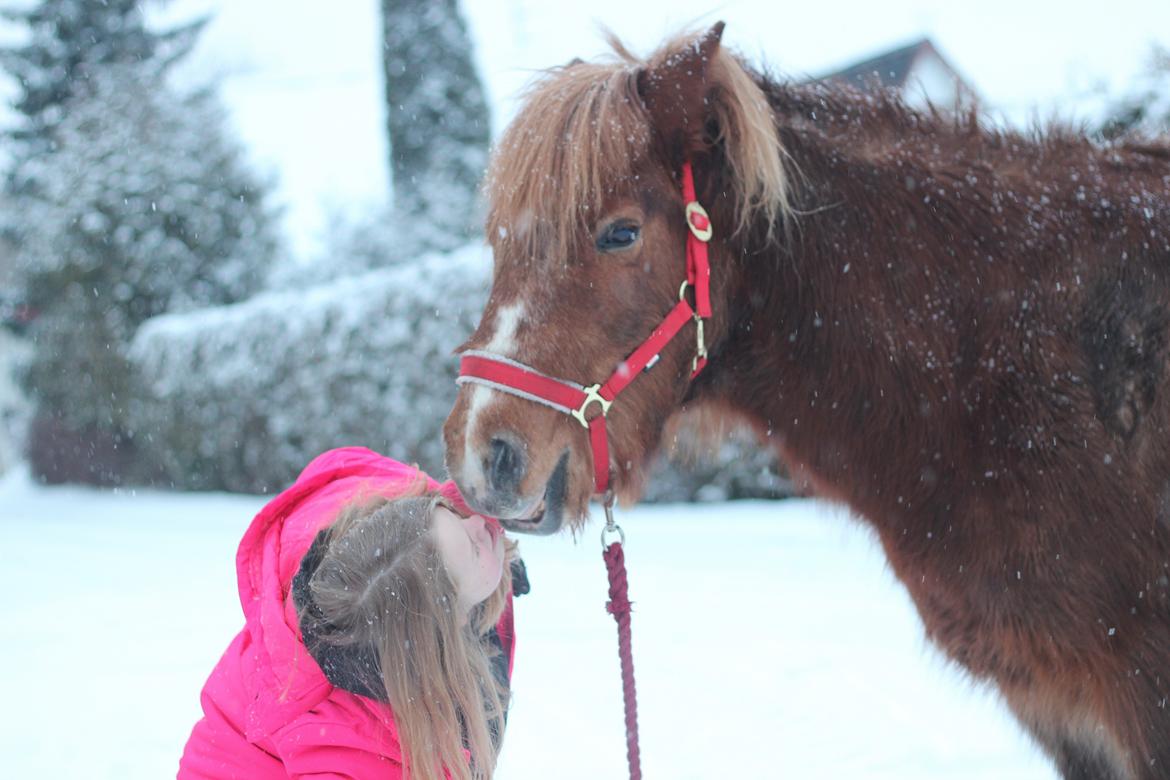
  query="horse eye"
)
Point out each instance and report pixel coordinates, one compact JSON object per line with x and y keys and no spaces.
{"x":621,"y":235}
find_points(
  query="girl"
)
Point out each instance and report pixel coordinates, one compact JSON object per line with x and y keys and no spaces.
{"x":378,"y":634}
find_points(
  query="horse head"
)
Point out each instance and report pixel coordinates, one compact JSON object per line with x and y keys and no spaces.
{"x":589,"y":228}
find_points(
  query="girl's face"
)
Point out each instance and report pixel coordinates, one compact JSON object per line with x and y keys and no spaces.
{"x":473,"y":550}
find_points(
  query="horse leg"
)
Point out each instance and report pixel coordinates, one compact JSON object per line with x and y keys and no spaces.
{"x":1082,"y":761}
{"x":1079,"y":756}
{"x":1077,"y":740}
{"x":1113,"y":725}
{"x":1142,"y":719}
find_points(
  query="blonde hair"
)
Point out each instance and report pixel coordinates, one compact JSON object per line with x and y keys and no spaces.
{"x":381,"y":596}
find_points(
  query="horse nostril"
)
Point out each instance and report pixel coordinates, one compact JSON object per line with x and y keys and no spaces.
{"x":506,"y":466}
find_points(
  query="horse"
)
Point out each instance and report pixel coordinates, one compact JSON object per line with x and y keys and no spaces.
{"x":959,"y":331}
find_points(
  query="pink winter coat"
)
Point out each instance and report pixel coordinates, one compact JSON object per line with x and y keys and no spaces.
{"x":268,"y":710}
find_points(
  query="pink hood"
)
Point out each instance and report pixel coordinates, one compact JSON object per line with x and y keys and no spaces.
{"x":267,"y":704}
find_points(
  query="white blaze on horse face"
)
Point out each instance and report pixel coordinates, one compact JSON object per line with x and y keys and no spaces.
{"x":503,"y":343}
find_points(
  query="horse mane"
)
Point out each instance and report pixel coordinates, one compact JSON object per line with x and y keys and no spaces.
{"x":584,"y":127}
{"x":878,"y":127}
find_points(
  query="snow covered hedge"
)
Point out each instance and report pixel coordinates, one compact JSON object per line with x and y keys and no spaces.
{"x":241,"y":397}
{"x":15,"y":408}
{"x":737,"y":467}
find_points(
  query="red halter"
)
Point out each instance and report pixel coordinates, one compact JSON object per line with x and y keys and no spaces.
{"x":508,"y":376}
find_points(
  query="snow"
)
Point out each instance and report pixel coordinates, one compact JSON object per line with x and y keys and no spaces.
{"x":770,"y":640}
{"x":152,"y":180}
{"x":292,"y":372}
{"x":306,"y":94}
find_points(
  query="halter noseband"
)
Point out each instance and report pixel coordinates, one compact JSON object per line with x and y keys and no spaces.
{"x":509,"y":376}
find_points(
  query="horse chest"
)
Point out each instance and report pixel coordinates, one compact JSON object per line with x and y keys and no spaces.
{"x":997,"y":606}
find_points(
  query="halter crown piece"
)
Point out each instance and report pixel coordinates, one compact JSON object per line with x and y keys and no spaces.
{"x":509,"y":376}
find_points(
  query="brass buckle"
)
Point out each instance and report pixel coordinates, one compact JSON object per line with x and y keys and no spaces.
{"x":700,"y":333}
{"x":700,"y":346}
{"x":703,"y":234}
{"x":591,"y":395}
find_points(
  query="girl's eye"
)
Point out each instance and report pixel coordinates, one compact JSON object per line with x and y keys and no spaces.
{"x":621,"y":235}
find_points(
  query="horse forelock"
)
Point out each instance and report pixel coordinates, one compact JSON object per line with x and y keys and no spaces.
{"x":584,"y":130}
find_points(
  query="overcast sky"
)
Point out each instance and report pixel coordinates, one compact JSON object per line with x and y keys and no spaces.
{"x":302,"y":82}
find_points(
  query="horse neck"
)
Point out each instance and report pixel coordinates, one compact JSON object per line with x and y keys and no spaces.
{"x":811,"y":329}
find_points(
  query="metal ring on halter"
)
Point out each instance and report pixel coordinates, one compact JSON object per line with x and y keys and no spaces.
{"x":616,"y":529}
{"x":611,"y":525}
{"x":682,"y":290}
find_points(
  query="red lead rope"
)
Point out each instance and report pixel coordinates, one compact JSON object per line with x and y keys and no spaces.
{"x":619,"y":607}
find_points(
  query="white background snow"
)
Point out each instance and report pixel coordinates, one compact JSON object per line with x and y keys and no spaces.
{"x":770,"y":641}
{"x":303,"y":82}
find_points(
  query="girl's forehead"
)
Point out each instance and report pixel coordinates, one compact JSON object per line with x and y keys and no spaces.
{"x":446,"y":523}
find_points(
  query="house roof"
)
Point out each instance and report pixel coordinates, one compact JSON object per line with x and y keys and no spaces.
{"x":891,"y":68}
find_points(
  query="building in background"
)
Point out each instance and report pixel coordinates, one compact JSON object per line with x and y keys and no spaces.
{"x":918,"y":72}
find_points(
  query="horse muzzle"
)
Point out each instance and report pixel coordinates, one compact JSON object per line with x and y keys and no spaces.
{"x":496,"y":479}
{"x":549,"y":516}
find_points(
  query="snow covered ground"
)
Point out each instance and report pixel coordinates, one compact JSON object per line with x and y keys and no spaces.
{"x":770,"y":641}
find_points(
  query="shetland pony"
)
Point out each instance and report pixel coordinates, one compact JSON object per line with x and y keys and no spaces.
{"x":961,"y":333}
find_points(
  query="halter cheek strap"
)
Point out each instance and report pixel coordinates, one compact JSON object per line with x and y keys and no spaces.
{"x":509,"y":376}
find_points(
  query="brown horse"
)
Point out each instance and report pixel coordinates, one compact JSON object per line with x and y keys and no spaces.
{"x":961,"y":333}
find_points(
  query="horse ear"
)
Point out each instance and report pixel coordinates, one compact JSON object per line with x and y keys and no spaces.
{"x":674,"y":90}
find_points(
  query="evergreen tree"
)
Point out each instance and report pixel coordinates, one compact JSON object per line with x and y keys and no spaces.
{"x":143,"y":207}
{"x":1146,"y":110}
{"x":68,"y":40}
{"x":437,"y":119}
